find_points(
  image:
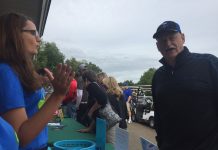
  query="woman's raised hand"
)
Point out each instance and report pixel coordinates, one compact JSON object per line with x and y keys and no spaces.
{"x":62,"y":78}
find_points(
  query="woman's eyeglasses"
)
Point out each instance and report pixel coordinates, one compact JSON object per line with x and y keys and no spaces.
{"x":33,"y":32}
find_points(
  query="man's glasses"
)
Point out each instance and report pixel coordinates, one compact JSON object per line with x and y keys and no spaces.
{"x":33,"y":32}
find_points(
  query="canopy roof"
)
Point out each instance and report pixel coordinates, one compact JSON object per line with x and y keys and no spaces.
{"x":36,"y":9}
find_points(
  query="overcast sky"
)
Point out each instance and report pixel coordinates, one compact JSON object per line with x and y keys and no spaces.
{"x":116,"y":35}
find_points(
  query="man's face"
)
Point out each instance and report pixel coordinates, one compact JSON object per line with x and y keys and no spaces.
{"x":170,"y":45}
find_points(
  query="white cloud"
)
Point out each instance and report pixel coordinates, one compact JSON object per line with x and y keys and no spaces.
{"x":117,"y":34}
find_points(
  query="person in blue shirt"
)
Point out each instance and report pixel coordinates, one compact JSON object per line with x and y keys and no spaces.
{"x":21,"y":86}
{"x":128,"y":97}
{"x":8,"y":137}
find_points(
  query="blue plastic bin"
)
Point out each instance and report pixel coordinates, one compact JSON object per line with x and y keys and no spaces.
{"x":74,"y":145}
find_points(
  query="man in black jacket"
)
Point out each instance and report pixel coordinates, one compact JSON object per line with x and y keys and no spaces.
{"x":185,"y":93}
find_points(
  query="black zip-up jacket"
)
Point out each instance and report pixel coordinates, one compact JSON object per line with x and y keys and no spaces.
{"x":186,"y":103}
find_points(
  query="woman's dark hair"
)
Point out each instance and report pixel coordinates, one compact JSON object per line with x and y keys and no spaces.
{"x":89,"y":75}
{"x":12,"y":50}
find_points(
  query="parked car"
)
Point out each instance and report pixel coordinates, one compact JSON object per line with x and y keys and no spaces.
{"x":142,"y":110}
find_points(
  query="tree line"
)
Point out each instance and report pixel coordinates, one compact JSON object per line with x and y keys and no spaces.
{"x":49,"y":56}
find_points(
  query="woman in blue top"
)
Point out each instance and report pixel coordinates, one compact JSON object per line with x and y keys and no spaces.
{"x":8,"y":138}
{"x":20,"y":85}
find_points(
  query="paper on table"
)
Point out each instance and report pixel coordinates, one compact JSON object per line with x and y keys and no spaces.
{"x":147,"y":145}
{"x":121,"y":139}
{"x":54,"y":124}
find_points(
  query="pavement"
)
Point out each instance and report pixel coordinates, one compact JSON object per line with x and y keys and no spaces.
{"x":139,"y":129}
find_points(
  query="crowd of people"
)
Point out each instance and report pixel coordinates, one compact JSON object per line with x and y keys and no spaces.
{"x":184,"y":91}
{"x":101,"y":89}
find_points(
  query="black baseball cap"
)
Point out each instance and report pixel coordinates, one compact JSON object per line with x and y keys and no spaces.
{"x":165,"y":27}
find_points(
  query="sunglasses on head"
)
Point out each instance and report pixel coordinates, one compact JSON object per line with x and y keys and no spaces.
{"x":33,"y":32}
